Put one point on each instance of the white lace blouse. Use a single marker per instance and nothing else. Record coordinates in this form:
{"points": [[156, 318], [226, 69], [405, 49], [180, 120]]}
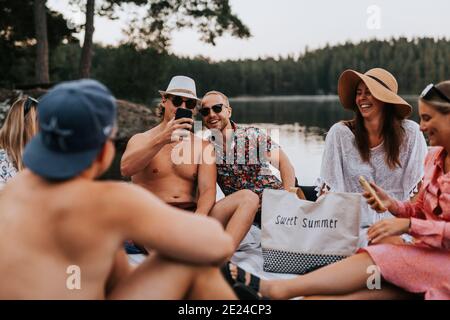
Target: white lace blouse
{"points": [[7, 169], [342, 165]]}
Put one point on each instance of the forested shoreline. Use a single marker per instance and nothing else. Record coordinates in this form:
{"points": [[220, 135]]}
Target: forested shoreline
{"points": [[40, 47], [136, 75]]}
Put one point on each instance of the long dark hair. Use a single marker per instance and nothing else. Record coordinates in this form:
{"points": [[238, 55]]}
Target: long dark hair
{"points": [[393, 135]]}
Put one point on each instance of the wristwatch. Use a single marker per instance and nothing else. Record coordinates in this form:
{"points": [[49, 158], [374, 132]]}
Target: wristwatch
{"points": [[407, 238]]}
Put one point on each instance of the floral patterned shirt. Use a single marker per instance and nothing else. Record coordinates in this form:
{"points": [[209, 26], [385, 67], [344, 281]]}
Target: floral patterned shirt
{"points": [[7, 169], [244, 164]]}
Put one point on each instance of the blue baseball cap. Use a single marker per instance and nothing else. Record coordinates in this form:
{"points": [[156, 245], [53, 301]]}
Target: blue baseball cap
{"points": [[75, 120]]}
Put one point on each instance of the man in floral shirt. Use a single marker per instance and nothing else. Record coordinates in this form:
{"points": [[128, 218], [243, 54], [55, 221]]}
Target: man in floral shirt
{"points": [[243, 155]]}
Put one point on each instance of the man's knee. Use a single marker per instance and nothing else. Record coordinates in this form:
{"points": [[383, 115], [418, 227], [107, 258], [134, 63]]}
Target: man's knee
{"points": [[157, 261], [248, 197], [205, 271]]}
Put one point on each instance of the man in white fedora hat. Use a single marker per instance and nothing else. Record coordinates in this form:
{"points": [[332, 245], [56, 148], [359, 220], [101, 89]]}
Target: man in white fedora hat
{"points": [[181, 86], [179, 167]]}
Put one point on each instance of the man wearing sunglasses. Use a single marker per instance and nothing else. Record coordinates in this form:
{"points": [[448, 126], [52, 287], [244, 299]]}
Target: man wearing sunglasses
{"points": [[151, 159], [243, 144]]}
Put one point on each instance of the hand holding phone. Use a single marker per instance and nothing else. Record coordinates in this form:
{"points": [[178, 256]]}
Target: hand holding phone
{"points": [[183, 113], [177, 128], [372, 192]]}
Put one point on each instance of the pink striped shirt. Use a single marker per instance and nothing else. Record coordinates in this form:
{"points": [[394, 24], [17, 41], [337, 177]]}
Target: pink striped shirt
{"points": [[430, 213]]}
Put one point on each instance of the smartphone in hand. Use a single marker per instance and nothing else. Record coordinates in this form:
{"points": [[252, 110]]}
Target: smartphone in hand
{"points": [[184, 113], [372, 192]]}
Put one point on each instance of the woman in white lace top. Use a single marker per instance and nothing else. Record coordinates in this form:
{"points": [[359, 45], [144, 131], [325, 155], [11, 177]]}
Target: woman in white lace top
{"points": [[379, 143], [19, 127]]}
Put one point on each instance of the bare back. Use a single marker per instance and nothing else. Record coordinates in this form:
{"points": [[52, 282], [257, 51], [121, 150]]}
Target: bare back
{"points": [[172, 173], [47, 227]]}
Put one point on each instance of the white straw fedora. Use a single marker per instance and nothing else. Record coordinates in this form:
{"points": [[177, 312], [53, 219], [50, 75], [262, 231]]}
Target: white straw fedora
{"points": [[382, 85], [181, 86]]}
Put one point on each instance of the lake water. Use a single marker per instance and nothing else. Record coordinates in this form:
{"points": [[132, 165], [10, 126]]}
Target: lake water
{"points": [[302, 122]]}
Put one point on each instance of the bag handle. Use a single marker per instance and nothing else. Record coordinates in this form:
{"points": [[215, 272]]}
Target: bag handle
{"points": [[298, 192]]}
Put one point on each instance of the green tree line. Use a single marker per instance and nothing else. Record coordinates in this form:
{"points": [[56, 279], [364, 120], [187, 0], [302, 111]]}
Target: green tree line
{"points": [[414, 63], [136, 74], [28, 24]]}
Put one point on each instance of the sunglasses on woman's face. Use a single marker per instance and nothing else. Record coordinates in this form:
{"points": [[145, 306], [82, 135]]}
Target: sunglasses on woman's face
{"points": [[216, 108], [177, 101], [430, 89], [29, 103]]}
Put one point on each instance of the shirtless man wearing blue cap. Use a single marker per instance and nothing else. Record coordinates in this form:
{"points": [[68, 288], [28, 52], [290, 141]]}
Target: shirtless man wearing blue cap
{"points": [[68, 229]]}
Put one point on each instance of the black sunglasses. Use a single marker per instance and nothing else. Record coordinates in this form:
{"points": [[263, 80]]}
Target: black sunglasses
{"points": [[432, 88], [177, 101], [29, 103], [216, 108]]}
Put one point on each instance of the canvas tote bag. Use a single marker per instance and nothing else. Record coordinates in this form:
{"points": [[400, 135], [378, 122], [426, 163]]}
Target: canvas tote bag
{"points": [[299, 236]]}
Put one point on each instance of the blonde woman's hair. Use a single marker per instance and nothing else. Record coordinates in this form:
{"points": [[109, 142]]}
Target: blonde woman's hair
{"points": [[17, 130], [436, 102]]}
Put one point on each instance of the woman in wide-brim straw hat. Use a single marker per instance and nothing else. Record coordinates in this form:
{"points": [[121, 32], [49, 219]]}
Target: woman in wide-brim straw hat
{"points": [[380, 83], [378, 143]]}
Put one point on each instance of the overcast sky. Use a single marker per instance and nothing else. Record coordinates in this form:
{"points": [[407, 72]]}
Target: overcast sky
{"points": [[282, 27]]}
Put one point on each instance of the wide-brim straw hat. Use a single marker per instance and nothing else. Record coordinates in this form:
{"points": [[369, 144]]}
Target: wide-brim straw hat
{"points": [[181, 86], [381, 84]]}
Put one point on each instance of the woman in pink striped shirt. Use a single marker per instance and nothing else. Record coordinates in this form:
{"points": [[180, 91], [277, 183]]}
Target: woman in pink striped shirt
{"points": [[419, 263]]}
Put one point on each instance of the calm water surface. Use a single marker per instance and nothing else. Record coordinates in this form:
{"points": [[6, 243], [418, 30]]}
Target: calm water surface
{"points": [[302, 122]]}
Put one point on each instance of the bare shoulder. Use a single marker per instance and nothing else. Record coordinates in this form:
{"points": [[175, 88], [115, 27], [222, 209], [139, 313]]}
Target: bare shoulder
{"points": [[152, 131], [144, 135], [121, 199], [117, 193]]}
